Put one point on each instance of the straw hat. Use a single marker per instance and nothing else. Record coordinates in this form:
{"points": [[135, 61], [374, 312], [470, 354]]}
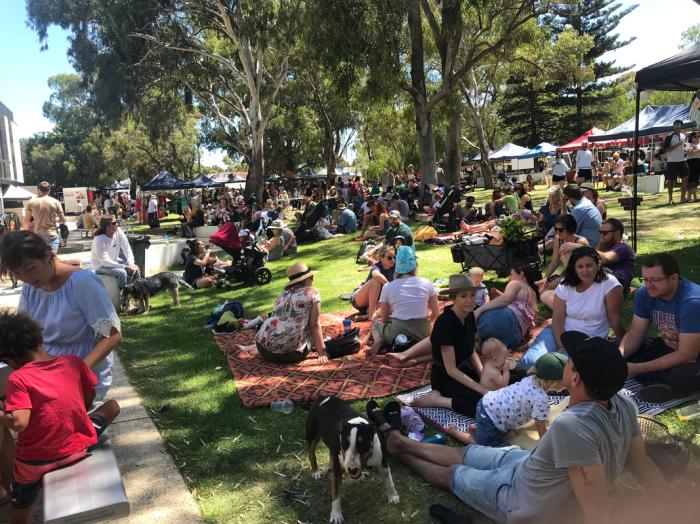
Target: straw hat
{"points": [[457, 284], [298, 272]]}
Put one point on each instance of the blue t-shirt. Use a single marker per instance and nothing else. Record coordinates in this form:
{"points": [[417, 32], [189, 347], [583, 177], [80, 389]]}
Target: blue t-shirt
{"points": [[388, 273], [588, 220], [347, 220], [549, 217], [681, 314]]}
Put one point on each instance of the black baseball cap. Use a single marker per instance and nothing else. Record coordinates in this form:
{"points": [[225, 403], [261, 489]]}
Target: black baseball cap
{"points": [[598, 361]]}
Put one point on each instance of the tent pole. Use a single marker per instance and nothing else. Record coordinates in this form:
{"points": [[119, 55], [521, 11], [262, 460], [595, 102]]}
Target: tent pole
{"points": [[635, 156]]}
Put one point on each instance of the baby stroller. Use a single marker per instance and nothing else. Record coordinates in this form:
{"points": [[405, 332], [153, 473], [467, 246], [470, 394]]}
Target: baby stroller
{"points": [[312, 214], [250, 268], [449, 223]]}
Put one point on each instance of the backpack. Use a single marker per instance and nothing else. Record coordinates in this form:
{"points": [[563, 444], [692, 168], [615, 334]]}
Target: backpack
{"points": [[366, 244], [667, 143], [343, 345]]}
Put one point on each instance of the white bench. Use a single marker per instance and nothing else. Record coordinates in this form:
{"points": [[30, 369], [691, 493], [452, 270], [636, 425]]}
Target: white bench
{"points": [[88, 491]]}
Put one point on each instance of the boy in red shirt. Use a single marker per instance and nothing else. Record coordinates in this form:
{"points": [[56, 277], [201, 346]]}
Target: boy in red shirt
{"points": [[47, 401]]}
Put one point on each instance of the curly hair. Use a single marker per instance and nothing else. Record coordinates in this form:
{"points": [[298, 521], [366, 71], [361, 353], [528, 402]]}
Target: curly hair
{"points": [[17, 247], [19, 335]]}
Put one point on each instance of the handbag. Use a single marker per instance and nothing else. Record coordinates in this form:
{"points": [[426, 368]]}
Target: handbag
{"points": [[343, 345]]}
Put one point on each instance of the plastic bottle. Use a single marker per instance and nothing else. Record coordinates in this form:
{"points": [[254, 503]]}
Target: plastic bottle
{"points": [[400, 339], [347, 326], [690, 412], [166, 238], [438, 438], [282, 406]]}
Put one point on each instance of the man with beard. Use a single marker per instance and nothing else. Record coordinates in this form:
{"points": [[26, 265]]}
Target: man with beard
{"points": [[671, 304], [617, 256]]}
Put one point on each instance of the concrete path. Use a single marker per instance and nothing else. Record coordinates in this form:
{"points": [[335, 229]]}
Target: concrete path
{"points": [[156, 490]]}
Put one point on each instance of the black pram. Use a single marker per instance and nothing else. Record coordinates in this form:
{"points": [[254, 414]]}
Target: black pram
{"points": [[312, 214], [449, 223]]}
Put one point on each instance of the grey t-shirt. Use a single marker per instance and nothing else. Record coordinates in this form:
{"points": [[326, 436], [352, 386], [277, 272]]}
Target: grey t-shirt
{"points": [[584, 435]]}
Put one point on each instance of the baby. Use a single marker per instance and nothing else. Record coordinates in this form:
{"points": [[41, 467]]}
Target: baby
{"points": [[497, 366], [509, 408], [477, 275]]}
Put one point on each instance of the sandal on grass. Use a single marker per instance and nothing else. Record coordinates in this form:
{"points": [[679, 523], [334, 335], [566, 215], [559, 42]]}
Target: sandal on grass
{"points": [[392, 414], [376, 417]]}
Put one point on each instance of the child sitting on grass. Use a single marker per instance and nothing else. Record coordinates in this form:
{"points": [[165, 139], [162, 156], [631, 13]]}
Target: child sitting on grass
{"points": [[482, 294], [497, 365], [508, 408], [47, 399]]}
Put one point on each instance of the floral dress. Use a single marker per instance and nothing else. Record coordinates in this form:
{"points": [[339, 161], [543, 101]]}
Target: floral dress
{"points": [[287, 329]]}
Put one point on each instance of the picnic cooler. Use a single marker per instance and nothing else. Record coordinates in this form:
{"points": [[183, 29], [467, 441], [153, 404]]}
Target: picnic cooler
{"points": [[498, 258]]}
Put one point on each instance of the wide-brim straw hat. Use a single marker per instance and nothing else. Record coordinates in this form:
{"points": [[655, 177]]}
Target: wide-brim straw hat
{"points": [[457, 284], [298, 272]]}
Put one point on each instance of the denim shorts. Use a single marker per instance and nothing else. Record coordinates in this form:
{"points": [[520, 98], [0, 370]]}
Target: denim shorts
{"points": [[487, 434], [484, 472], [502, 324]]}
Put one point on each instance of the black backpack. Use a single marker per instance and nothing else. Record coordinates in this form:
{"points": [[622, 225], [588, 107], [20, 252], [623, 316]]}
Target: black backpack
{"points": [[343, 345]]}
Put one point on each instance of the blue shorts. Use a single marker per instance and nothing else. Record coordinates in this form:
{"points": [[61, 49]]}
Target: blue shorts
{"points": [[487, 434], [484, 478]]}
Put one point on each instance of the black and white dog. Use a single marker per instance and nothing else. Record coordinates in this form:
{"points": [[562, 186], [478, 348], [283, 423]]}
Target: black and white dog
{"points": [[142, 289], [353, 444]]}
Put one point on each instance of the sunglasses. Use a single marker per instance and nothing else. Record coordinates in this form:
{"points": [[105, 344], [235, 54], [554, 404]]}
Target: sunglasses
{"points": [[602, 232], [390, 257], [559, 229], [114, 223]]}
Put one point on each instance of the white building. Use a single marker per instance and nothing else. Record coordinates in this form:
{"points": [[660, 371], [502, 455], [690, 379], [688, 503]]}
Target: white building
{"points": [[10, 154]]}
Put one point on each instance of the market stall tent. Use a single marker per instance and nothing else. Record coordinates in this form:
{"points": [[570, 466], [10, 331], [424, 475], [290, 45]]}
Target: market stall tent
{"points": [[165, 181], [653, 120], [540, 150], [577, 143], [204, 182], [508, 152]]}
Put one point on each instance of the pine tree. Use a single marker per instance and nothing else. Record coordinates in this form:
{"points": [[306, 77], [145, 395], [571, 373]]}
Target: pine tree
{"points": [[526, 112], [583, 106]]}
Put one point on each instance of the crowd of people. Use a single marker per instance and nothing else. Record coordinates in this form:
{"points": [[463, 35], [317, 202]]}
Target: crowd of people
{"points": [[64, 311]]}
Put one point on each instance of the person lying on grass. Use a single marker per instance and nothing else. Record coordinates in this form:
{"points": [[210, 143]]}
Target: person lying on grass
{"points": [[572, 467], [510, 407], [47, 399]]}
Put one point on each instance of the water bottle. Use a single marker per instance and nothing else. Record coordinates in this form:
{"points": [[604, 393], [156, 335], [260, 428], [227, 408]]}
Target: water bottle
{"points": [[438, 438], [282, 406], [400, 339], [166, 238], [347, 326]]}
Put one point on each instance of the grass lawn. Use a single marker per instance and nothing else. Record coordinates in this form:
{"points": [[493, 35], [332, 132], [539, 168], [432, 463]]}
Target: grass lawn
{"points": [[250, 466]]}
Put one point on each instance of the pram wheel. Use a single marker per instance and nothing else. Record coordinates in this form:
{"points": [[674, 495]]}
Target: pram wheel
{"points": [[263, 276]]}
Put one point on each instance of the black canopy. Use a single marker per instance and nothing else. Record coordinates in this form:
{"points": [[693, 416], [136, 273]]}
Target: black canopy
{"points": [[165, 181], [203, 182], [681, 72]]}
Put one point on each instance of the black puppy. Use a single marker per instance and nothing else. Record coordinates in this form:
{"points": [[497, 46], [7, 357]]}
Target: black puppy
{"points": [[143, 288], [353, 445]]}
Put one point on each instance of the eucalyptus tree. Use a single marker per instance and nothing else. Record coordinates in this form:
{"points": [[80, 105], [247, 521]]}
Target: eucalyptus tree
{"points": [[228, 57]]}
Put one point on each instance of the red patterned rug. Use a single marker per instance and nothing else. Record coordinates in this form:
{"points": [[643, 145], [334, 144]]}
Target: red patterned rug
{"points": [[355, 377]]}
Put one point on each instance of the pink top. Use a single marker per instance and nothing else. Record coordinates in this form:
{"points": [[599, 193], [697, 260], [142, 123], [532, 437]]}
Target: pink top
{"points": [[524, 312]]}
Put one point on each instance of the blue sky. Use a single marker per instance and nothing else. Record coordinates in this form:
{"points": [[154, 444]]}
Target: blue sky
{"points": [[657, 24]]}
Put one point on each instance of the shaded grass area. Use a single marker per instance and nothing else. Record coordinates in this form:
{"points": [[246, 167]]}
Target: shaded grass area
{"points": [[250, 465]]}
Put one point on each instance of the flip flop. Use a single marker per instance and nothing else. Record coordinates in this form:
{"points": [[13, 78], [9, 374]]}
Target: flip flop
{"points": [[659, 394], [392, 414], [376, 417], [345, 296]]}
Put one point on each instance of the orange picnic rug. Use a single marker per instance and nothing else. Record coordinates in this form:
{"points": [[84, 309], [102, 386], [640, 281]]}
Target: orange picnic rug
{"points": [[354, 377]]}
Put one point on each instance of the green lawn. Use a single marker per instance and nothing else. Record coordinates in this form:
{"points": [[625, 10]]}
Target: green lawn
{"points": [[250, 466]]}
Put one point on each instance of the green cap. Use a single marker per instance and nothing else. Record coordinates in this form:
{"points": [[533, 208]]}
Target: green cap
{"points": [[550, 366]]}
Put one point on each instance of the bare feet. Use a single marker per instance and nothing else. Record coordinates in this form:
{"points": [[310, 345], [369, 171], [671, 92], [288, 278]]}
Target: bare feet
{"points": [[429, 400], [465, 437], [397, 361]]}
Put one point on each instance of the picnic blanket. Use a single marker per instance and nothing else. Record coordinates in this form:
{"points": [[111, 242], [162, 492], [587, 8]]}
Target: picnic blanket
{"points": [[444, 418], [354, 377]]}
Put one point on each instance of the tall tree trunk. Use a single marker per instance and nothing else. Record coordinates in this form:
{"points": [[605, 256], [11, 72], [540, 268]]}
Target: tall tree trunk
{"points": [[424, 125], [254, 183], [579, 111], [453, 154], [329, 154], [426, 146]]}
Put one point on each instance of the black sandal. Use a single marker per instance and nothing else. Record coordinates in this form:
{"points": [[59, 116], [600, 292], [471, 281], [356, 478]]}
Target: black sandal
{"points": [[376, 417], [392, 414]]}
